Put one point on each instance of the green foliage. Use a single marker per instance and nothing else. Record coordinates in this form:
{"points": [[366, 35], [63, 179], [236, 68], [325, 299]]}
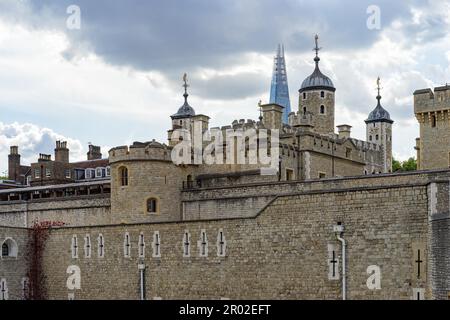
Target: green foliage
{"points": [[3, 178], [408, 165]]}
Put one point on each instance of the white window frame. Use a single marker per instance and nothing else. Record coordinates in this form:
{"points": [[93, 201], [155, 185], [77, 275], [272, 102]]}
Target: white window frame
{"points": [[219, 240], [108, 171], [203, 244], [68, 173], [87, 249], [48, 172], [37, 173], [101, 249], [4, 285], [74, 247], [156, 244], [101, 172], [127, 245], [141, 245], [186, 240]]}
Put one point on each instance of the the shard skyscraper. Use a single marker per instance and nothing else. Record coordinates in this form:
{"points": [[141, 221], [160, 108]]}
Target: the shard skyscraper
{"points": [[279, 90]]}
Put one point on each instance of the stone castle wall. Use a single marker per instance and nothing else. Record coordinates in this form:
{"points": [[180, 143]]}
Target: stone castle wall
{"points": [[89, 210], [15, 269], [281, 252]]}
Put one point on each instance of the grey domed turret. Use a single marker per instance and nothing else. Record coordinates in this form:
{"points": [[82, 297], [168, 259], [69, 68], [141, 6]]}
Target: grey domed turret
{"points": [[185, 111], [379, 114], [317, 80]]}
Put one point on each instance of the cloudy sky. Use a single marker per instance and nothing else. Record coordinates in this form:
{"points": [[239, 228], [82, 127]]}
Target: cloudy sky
{"points": [[117, 79]]}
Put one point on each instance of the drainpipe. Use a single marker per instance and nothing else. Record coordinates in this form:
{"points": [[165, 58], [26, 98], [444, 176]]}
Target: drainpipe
{"points": [[339, 230], [141, 268]]}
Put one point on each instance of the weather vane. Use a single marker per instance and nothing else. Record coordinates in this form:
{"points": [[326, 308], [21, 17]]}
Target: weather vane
{"points": [[260, 110], [379, 85], [185, 85], [317, 49]]}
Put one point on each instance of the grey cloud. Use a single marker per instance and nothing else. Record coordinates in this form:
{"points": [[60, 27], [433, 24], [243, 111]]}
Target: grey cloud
{"points": [[174, 34]]}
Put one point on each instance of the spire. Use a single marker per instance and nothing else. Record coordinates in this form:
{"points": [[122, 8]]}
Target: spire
{"points": [[379, 90], [317, 49], [379, 114], [185, 110], [185, 85], [279, 91], [317, 80]]}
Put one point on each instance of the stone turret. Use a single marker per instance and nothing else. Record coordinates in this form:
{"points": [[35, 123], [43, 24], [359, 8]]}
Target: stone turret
{"points": [[272, 116], [317, 96], [432, 110], [379, 131]]}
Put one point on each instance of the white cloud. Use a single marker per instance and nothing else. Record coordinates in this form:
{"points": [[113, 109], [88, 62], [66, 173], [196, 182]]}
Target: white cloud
{"points": [[33, 140]]}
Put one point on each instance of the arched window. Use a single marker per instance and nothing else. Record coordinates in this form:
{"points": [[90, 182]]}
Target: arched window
{"points": [[123, 176], [322, 109], [304, 95], [322, 94], [9, 248], [304, 109], [152, 205]]}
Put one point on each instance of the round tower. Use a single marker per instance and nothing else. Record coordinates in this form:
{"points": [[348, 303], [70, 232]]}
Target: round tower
{"points": [[317, 96], [145, 183], [379, 131]]}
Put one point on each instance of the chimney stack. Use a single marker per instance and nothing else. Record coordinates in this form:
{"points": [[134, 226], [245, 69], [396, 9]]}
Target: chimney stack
{"points": [[44, 157], [14, 164], [344, 131], [272, 116], [61, 152], [94, 153]]}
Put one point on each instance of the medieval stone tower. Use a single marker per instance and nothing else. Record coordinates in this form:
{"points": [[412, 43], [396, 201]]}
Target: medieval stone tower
{"points": [[379, 131], [317, 96], [432, 110]]}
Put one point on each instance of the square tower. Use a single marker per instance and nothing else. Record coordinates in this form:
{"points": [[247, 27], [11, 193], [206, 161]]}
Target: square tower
{"points": [[432, 110]]}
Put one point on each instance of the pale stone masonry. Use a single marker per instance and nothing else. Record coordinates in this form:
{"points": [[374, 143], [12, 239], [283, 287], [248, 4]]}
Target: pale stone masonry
{"points": [[432, 110], [139, 224]]}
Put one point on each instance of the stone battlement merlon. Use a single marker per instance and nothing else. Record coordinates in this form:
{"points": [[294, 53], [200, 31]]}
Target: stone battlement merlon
{"points": [[427, 100], [141, 151]]}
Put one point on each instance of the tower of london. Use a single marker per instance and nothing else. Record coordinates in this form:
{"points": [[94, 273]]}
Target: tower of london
{"points": [[332, 215]]}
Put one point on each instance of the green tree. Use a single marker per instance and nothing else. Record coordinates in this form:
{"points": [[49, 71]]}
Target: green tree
{"points": [[396, 165], [408, 165]]}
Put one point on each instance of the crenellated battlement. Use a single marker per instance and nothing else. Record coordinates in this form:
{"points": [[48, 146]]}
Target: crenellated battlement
{"points": [[298, 119], [427, 100], [141, 151]]}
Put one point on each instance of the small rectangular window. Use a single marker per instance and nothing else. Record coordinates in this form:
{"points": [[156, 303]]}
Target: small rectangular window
{"points": [[108, 171], [48, 173], [348, 152], [289, 174], [67, 173], [37, 173], [99, 173], [433, 121], [322, 175]]}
